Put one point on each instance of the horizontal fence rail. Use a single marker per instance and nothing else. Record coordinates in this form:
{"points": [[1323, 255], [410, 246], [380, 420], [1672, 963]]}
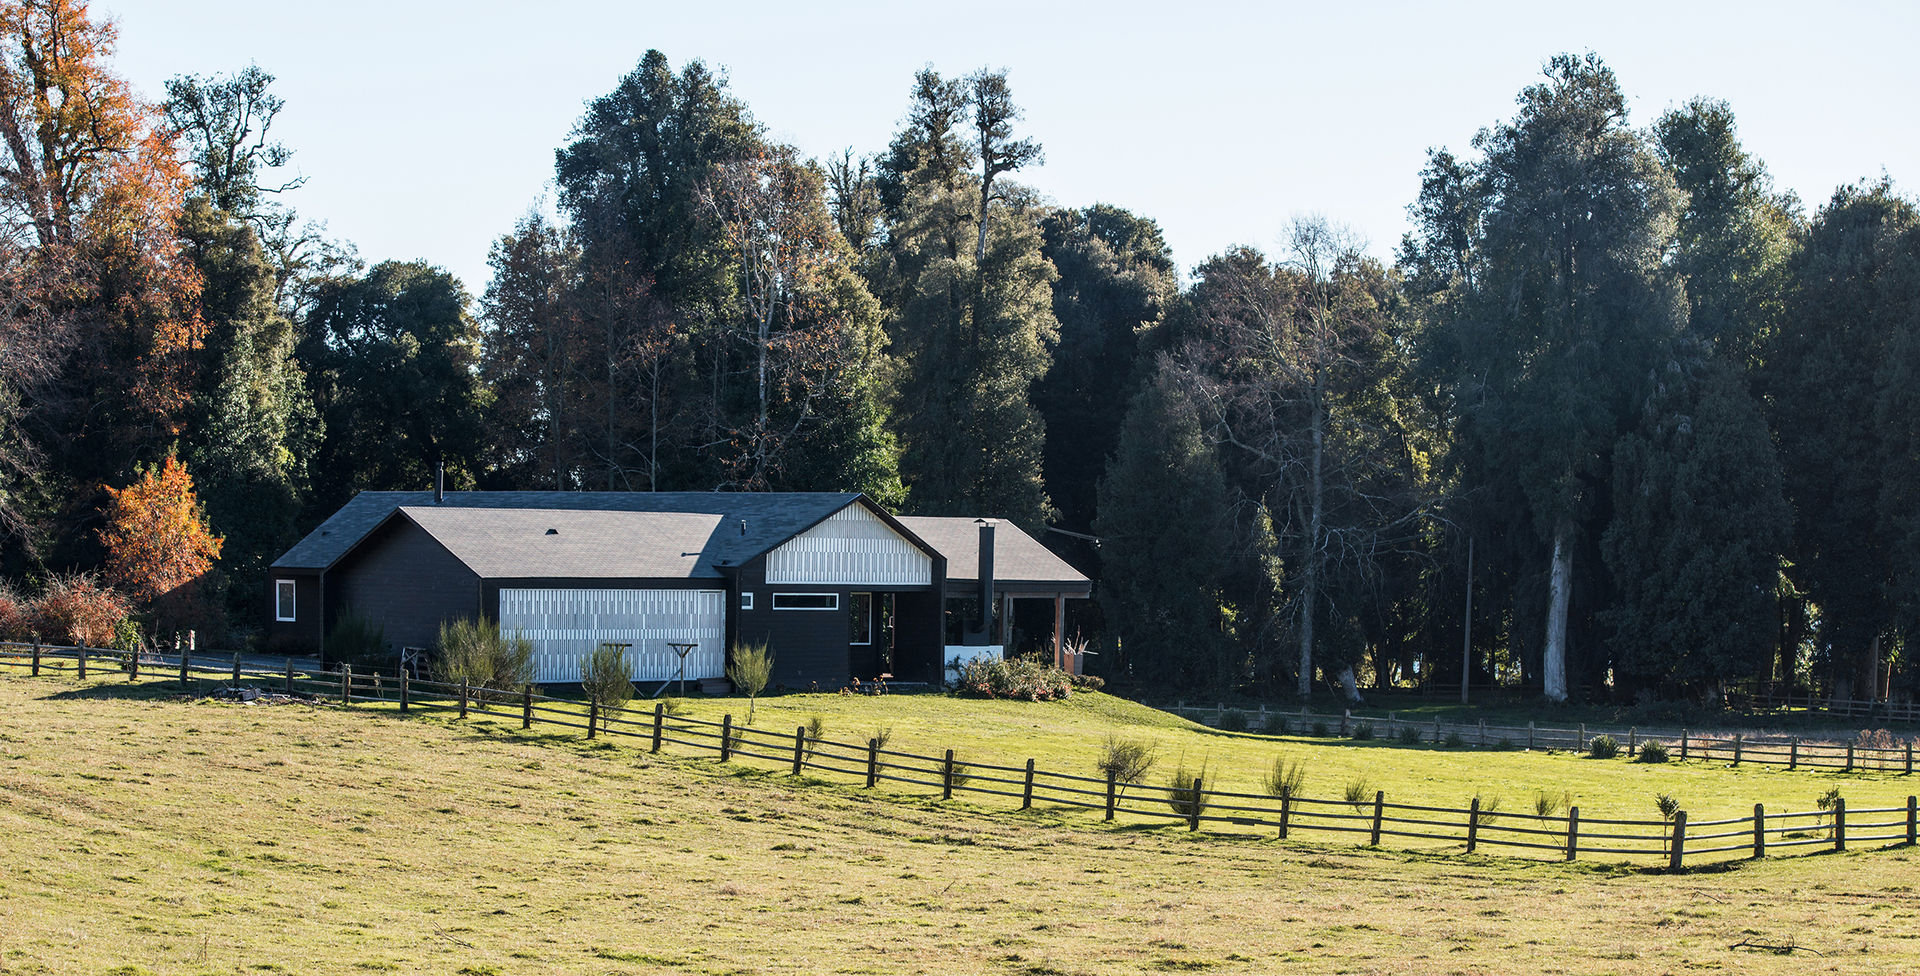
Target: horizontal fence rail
{"points": [[1562, 834]]}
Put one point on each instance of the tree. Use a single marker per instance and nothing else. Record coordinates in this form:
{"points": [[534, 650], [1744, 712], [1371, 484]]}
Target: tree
{"points": [[159, 548], [1562, 310], [531, 356], [223, 123]]}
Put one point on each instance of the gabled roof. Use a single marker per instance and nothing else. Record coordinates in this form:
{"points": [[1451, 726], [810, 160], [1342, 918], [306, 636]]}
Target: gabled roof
{"points": [[770, 517], [538, 542], [1017, 557]]}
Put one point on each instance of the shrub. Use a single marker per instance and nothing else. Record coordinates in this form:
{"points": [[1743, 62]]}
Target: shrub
{"points": [[1285, 778], [751, 667], [1318, 730], [76, 609], [1022, 678], [1363, 731], [1504, 745], [1182, 798], [816, 731], [1276, 725], [1827, 802], [1126, 760], [1454, 741], [1088, 682], [355, 640], [1409, 735], [1233, 720], [1550, 804], [476, 652], [955, 772], [604, 677], [1603, 747], [1489, 808], [1667, 805], [882, 735], [1652, 752], [1359, 792], [16, 616]]}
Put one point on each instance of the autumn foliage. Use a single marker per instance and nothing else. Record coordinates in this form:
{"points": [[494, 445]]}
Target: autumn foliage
{"points": [[76, 609], [156, 537]]}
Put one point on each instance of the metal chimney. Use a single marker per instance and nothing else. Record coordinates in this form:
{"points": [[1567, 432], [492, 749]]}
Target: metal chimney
{"points": [[986, 576], [439, 482]]}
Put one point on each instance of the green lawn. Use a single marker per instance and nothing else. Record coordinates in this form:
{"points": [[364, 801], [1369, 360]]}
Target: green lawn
{"points": [[146, 834]]}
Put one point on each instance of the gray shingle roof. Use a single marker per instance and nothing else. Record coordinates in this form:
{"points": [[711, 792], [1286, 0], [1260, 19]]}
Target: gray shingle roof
{"points": [[771, 517], [526, 542], [1017, 556]]}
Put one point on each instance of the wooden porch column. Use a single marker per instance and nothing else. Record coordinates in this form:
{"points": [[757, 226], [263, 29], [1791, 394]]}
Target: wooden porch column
{"points": [[1060, 631]]}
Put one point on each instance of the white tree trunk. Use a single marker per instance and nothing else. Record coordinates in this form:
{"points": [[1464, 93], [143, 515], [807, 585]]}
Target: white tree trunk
{"points": [[1559, 595], [1349, 684]]}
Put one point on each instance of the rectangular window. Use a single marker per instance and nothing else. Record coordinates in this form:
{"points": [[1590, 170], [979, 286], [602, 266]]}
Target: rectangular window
{"points": [[860, 618], [283, 600], [746, 600], [806, 601]]}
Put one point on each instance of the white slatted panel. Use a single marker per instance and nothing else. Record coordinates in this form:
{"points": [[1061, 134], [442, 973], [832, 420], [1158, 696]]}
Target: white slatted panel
{"points": [[851, 548], [566, 625]]}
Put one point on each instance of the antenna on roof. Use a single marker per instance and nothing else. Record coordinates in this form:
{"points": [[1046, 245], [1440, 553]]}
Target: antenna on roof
{"points": [[439, 481]]}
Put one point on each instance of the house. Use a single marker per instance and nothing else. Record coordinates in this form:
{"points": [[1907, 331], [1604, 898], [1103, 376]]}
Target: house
{"points": [[837, 587]]}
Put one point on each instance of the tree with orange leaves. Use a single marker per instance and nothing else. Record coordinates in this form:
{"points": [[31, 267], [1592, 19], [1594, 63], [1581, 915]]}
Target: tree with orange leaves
{"points": [[156, 535]]}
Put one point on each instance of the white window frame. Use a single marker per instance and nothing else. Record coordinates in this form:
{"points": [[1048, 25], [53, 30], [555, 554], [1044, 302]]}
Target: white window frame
{"points": [[746, 599], [832, 598], [852, 602], [293, 598]]}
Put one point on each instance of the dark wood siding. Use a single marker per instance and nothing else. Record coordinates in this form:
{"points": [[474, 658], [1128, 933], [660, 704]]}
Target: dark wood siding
{"points": [[406, 582], [301, 635]]}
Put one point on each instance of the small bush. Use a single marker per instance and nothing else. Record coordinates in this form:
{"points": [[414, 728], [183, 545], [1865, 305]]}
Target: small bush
{"points": [[1454, 741], [1603, 747], [1088, 682], [1363, 731], [1652, 752], [1551, 804], [76, 609], [1021, 679], [1126, 760], [604, 677], [1285, 779], [1827, 802], [882, 735], [1409, 735], [1504, 745], [1276, 725], [1233, 720], [1318, 730], [497, 664], [816, 731], [1667, 805], [956, 773], [1359, 792], [1181, 796], [1489, 808], [16, 616], [355, 640], [750, 669]]}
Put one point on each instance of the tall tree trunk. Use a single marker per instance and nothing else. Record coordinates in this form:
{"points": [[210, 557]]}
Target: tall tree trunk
{"points": [[1559, 596], [1310, 584]]}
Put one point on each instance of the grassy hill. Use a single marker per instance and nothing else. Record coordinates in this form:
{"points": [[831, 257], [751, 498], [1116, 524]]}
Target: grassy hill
{"points": [[145, 834]]}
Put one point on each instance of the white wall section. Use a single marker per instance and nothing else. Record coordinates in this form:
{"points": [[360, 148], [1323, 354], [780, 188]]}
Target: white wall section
{"points": [[853, 547], [565, 625]]}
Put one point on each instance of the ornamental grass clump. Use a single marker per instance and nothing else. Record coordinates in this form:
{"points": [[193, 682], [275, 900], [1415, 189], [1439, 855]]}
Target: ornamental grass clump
{"points": [[1021, 679], [1603, 747], [1652, 752], [1285, 779], [1186, 788]]}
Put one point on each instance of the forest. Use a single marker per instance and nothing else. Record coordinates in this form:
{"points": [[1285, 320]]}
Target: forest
{"points": [[1618, 419]]}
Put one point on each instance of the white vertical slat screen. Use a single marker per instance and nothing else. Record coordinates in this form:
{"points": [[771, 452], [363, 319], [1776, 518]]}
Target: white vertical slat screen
{"points": [[851, 548], [565, 625]]}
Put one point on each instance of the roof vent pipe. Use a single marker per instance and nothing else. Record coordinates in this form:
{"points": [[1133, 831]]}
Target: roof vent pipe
{"points": [[743, 527], [986, 576], [439, 482]]}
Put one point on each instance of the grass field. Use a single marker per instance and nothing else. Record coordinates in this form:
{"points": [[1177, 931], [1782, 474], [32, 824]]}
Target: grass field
{"points": [[146, 834]]}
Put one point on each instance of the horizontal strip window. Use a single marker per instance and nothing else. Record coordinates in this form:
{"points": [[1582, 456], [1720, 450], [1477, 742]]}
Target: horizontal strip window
{"points": [[806, 601]]}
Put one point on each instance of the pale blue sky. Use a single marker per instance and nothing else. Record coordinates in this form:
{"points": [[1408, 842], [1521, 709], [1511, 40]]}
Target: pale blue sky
{"points": [[426, 129]]}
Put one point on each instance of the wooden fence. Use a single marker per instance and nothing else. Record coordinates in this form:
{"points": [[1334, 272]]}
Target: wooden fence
{"points": [[1791, 752], [1560, 835]]}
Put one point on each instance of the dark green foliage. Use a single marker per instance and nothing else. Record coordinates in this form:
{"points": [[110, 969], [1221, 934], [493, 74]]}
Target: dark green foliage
{"points": [[354, 639], [1161, 592], [1181, 796], [750, 667], [1409, 735], [1022, 679], [1651, 752], [605, 677], [1127, 761], [476, 652], [1233, 720], [1603, 747], [1363, 731]]}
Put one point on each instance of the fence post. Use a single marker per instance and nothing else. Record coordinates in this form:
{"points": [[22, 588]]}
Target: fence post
{"points": [[1849, 757], [1379, 806], [36, 659], [593, 721], [1683, 744], [873, 762], [799, 747], [346, 688], [1759, 831], [659, 717], [1026, 792], [1473, 825], [133, 663], [403, 691], [1913, 822], [946, 777], [1193, 808], [186, 662], [1840, 823], [1286, 814], [466, 692], [1346, 719], [1110, 795], [1909, 757], [1483, 732], [1573, 832], [1581, 746], [526, 706], [1437, 737], [1529, 735], [289, 674], [1676, 850], [1633, 741], [726, 737], [236, 669], [83, 660], [1793, 754]]}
